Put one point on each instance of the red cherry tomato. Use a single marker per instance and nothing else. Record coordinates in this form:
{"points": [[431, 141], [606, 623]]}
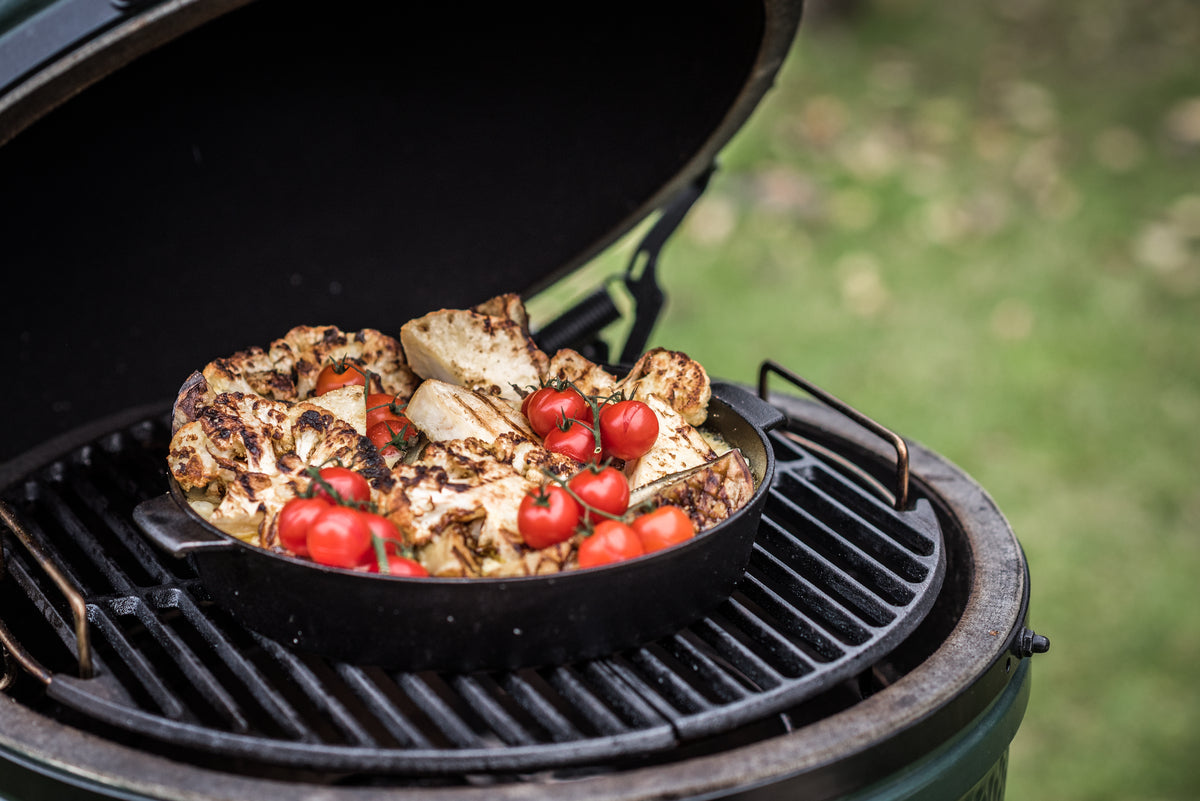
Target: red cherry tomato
{"points": [[339, 537], [383, 529], [577, 441], [606, 490], [628, 429], [611, 541], [398, 566], [547, 518], [382, 406], [350, 487], [548, 407], [336, 375], [295, 518], [391, 435], [664, 527]]}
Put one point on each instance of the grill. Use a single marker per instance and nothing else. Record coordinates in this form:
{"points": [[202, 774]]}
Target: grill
{"points": [[838, 578], [877, 645]]}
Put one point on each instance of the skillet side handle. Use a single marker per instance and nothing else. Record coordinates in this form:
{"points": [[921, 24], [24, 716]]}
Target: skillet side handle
{"points": [[757, 411], [171, 529]]}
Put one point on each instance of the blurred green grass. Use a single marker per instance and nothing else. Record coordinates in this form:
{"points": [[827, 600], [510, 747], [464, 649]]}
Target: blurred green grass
{"points": [[980, 223]]}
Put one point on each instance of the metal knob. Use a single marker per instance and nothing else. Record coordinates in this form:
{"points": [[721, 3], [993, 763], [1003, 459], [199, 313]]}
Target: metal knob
{"points": [[1029, 643]]}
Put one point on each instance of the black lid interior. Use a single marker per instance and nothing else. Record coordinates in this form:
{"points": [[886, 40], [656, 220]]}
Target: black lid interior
{"points": [[354, 163]]}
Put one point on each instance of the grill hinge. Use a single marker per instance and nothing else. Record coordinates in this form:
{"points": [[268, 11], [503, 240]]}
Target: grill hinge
{"points": [[579, 327]]}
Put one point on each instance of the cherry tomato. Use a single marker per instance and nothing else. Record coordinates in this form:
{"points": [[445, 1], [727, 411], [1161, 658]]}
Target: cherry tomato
{"points": [[382, 406], [338, 374], [628, 429], [384, 529], [339, 537], [664, 527], [391, 435], [606, 490], [577, 441], [398, 566], [548, 517], [548, 407], [350, 487], [294, 520], [611, 541]]}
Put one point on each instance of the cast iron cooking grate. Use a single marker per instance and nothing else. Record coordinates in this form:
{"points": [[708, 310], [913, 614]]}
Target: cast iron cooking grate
{"points": [[836, 580]]}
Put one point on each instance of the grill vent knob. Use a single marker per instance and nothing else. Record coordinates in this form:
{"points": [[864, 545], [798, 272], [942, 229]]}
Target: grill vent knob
{"points": [[1029, 643]]}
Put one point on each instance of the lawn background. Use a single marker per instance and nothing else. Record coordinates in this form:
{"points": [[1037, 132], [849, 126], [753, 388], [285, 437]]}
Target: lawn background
{"points": [[980, 223]]}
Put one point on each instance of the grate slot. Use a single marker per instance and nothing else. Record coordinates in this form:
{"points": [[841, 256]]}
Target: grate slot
{"points": [[51, 606], [43, 522], [867, 507], [320, 694], [570, 686], [655, 674], [431, 696], [786, 660], [838, 551], [90, 530], [855, 529], [621, 694], [130, 664], [279, 717], [735, 654], [692, 652], [383, 699], [141, 563], [789, 620], [530, 690], [819, 590], [489, 703]]}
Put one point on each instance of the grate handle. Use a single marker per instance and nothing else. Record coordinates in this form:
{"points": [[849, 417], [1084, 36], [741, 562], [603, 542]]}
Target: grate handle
{"points": [[13, 650], [896, 441]]}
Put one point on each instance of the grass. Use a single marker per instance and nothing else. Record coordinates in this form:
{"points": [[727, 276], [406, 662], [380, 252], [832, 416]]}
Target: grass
{"points": [[980, 223]]}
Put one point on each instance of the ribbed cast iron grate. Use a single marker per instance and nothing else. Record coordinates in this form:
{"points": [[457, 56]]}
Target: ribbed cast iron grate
{"points": [[836, 580]]}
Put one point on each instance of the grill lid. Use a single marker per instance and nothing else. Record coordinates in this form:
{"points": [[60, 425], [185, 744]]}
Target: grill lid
{"points": [[365, 163]]}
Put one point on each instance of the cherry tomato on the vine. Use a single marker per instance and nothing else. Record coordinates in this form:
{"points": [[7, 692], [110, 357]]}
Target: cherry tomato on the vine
{"points": [[399, 566], [664, 527], [391, 435], [548, 407], [295, 518], [628, 429], [604, 489], [547, 517], [610, 541], [577, 441], [383, 529], [339, 537], [349, 487], [382, 406], [336, 375]]}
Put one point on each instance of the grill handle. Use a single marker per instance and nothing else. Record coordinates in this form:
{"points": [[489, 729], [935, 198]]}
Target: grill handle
{"points": [[165, 522], [896, 441], [12, 650]]}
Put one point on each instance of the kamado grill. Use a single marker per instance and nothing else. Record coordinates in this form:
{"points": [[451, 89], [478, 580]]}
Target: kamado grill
{"points": [[181, 179]]}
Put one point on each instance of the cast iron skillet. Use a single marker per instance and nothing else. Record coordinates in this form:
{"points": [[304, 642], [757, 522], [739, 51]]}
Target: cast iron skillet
{"points": [[462, 624]]}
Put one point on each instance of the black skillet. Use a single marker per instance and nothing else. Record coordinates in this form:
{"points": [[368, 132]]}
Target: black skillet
{"points": [[462, 624]]}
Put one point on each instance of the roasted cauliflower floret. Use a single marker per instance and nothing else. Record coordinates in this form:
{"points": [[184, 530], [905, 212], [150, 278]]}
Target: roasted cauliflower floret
{"points": [[288, 369], [478, 351]]}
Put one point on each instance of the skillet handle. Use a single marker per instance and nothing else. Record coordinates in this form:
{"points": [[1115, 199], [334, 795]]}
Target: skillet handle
{"points": [[172, 529], [757, 411]]}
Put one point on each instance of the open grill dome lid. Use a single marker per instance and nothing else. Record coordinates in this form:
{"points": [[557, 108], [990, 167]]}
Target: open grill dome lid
{"points": [[184, 179]]}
